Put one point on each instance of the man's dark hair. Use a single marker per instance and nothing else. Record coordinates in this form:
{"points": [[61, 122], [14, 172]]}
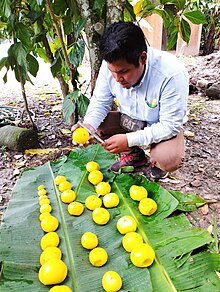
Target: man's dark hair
{"points": [[123, 40]]}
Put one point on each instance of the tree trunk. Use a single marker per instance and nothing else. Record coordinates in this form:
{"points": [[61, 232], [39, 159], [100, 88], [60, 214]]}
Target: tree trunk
{"points": [[209, 42], [18, 139], [94, 29], [93, 38], [63, 85], [115, 9]]}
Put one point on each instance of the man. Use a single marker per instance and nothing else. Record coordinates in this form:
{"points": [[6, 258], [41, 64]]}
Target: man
{"points": [[150, 88]]}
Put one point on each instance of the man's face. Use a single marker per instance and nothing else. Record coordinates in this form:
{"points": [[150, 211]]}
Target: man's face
{"points": [[127, 74]]}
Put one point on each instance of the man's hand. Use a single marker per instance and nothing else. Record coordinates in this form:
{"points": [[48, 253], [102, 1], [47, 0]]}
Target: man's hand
{"points": [[116, 144], [76, 126]]}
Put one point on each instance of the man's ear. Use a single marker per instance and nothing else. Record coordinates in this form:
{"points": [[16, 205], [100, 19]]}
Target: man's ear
{"points": [[143, 58]]}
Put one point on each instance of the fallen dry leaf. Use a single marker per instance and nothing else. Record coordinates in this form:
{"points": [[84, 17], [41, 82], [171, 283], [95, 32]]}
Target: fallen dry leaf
{"points": [[40, 151]]}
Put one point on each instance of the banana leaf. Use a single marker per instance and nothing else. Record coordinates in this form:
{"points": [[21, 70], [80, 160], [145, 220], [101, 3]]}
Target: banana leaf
{"points": [[183, 261]]}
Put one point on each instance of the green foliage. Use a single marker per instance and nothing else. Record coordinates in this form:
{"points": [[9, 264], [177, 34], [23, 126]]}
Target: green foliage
{"points": [[211, 11], [175, 15], [182, 262], [70, 102]]}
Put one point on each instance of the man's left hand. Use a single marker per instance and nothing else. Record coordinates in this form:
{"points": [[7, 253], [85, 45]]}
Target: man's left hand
{"points": [[116, 144]]}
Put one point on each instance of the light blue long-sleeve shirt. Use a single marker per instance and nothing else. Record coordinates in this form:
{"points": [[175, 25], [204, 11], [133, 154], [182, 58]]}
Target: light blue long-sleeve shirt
{"points": [[160, 98]]}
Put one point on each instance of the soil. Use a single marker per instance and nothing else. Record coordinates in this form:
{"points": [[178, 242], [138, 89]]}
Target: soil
{"points": [[200, 173]]}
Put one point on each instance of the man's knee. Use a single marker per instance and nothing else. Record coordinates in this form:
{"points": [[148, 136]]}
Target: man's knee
{"points": [[170, 164]]}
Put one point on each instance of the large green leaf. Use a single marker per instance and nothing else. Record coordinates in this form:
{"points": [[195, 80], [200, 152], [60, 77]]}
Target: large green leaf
{"points": [[179, 265], [196, 17]]}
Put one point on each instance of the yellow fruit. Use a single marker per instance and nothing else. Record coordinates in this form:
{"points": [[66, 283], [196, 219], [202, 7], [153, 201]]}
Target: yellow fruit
{"points": [[44, 201], [42, 197], [80, 136], [130, 240], [53, 272], [93, 202], [68, 196], [60, 288], [98, 256], [147, 206], [58, 179], [65, 185], [45, 208], [43, 215], [111, 281], [89, 240], [51, 252], [138, 193], [92, 165], [49, 224], [41, 187], [126, 224], [42, 192], [142, 255], [49, 239], [111, 200], [100, 216], [75, 208], [103, 188], [95, 177]]}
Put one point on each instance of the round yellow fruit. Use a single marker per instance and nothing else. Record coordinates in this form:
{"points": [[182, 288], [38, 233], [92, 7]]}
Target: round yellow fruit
{"points": [[95, 177], [92, 202], [65, 185], [126, 224], [89, 240], [75, 208], [130, 240], [111, 200], [42, 192], [44, 201], [147, 206], [42, 197], [138, 193], [60, 288], [68, 196], [80, 136], [103, 188], [45, 208], [49, 224], [43, 215], [51, 252], [53, 272], [98, 257], [41, 187], [49, 239], [142, 255], [100, 216], [111, 281], [59, 179], [92, 165]]}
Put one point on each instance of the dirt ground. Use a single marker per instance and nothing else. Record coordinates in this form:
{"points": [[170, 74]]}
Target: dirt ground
{"points": [[200, 173]]}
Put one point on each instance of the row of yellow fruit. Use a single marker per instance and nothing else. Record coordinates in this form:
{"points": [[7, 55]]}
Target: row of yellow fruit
{"points": [[111, 280], [53, 270]]}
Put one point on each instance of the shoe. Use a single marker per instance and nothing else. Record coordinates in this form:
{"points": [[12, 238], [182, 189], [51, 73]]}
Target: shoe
{"points": [[158, 173], [136, 158]]}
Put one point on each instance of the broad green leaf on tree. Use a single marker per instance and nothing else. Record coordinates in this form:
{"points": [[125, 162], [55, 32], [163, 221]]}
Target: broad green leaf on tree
{"points": [[183, 261]]}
